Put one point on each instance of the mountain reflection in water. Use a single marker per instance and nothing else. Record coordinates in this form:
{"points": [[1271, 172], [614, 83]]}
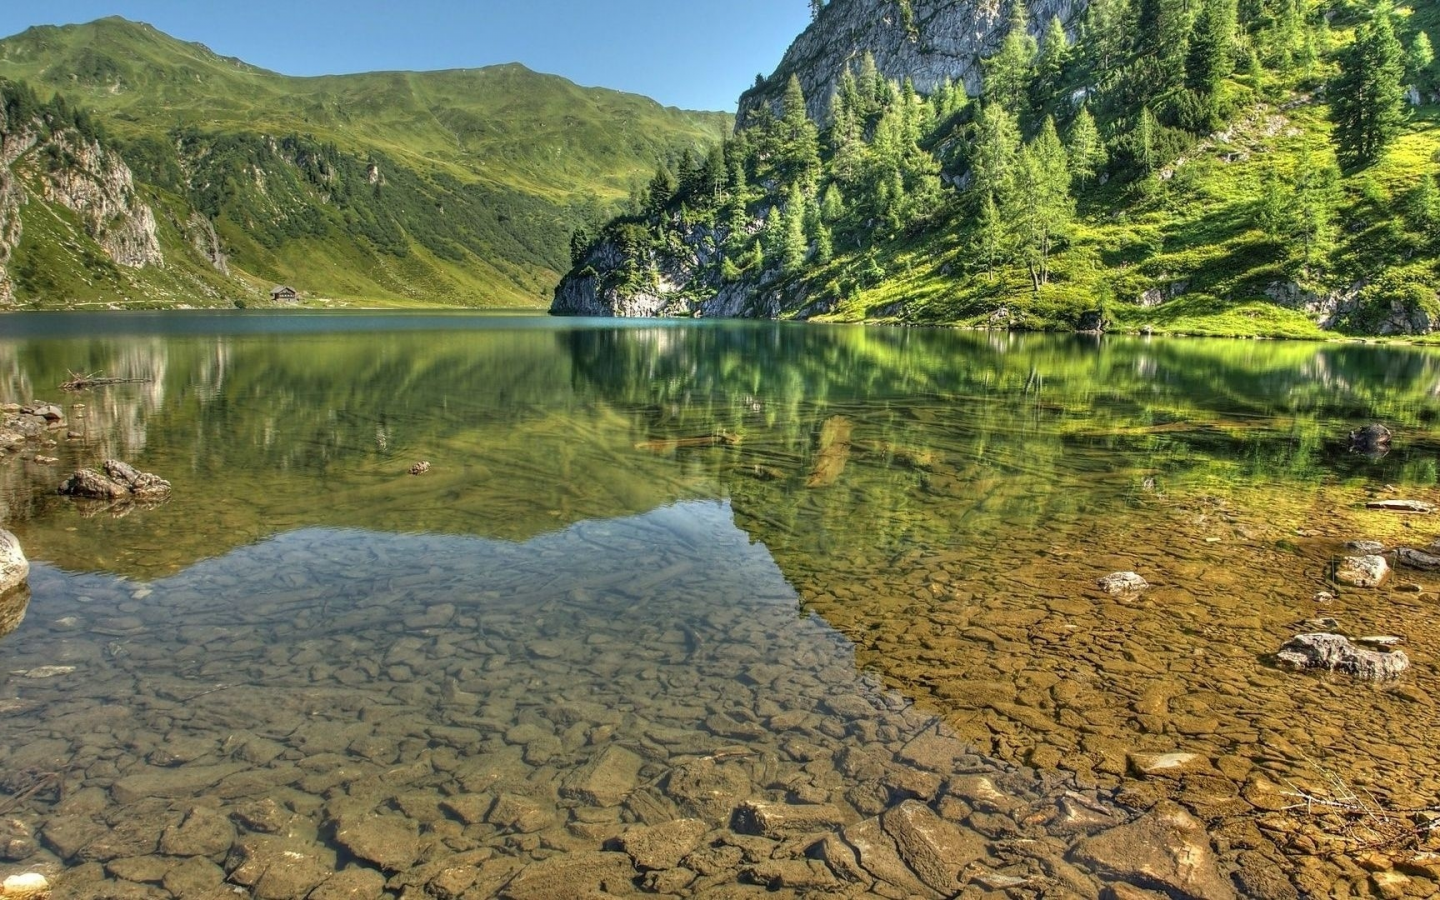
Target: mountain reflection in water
{"points": [[945, 501]]}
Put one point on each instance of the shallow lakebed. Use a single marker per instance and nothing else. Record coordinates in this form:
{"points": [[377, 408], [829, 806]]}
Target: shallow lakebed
{"points": [[707, 609]]}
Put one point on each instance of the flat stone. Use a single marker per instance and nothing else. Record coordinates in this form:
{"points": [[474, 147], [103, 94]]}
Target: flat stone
{"points": [[471, 809], [140, 869], [390, 842], [878, 856], [778, 821], [1407, 506], [1362, 571], [934, 849], [573, 875], [513, 812], [1365, 548], [1418, 559], [1123, 583], [279, 868], [1166, 849], [171, 784], [203, 832], [662, 846], [351, 884], [791, 874], [195, 877], [1168, 764], [605, 780]]}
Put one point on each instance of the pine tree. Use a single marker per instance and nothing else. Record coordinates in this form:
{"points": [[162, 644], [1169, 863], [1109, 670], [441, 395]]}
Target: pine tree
{"points": [[1418, 59], [832, 205], [1087, 150], [1369, 95], [1008, 72], [996, 149], [799, 140], [1104, 37], [1041, 205], [1054, 57], [794, 246], [1211, 57]]}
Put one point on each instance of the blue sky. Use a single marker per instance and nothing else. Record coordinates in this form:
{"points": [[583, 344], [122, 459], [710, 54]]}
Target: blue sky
{"points": [[698, 54]]}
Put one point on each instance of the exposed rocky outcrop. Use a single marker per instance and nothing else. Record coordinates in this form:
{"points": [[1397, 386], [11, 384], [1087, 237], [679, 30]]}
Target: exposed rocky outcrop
{"points": [[682, 280], [68, 169], [943, 40], [1396, 315]]}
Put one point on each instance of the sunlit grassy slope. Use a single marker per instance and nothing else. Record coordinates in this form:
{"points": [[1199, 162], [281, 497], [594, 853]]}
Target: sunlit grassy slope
{"points": [[482, 173], [1192, 232]]}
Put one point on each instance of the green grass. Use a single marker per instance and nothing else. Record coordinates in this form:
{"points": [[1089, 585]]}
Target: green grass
{"points": [[525, 157]]}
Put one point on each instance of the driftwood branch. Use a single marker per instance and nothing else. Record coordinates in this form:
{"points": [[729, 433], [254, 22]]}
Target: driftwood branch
{"points": [[79, 381], [1364, 821]]}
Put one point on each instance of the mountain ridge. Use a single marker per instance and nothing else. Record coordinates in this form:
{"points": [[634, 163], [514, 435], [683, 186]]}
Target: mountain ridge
{"points": [[522, 156]]}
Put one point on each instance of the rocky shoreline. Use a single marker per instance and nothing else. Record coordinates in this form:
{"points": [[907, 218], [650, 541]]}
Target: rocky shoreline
{"points": [[534, 739]]}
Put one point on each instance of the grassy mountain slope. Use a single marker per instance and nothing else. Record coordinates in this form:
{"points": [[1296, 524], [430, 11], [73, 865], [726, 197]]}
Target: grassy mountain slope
{"points": [[451, 187], [1230, 215]]}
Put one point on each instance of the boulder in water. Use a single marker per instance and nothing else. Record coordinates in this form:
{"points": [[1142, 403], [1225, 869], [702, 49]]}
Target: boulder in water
{"points": [[119, 481], [14, 567], [1370, 439], [1337, 654]]}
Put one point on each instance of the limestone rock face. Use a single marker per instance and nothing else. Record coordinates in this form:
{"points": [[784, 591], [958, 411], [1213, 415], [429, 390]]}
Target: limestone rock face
{"points": [[95, 184], [673, 283], [945, 39]]}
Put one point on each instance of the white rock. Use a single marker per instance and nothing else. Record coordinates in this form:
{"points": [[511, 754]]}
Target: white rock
{"points": [[30, 886], [14, 567], [1123, 583]]}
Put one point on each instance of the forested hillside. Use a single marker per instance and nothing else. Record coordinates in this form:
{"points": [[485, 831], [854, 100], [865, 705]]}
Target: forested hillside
{"points": [[1217, 166], [458, 187]]}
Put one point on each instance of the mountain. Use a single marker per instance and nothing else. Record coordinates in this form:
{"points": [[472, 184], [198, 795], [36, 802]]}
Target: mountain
{"points": [[456, 187], [1188, 166]]}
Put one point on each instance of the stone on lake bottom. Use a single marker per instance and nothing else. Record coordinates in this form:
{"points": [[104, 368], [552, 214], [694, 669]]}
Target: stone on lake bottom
{"points": [[1167, 849], [778, 821], [606, 780], [1362, 571], [662, 846], [1123, 583], [29, 886], [1418, 559], [1337, 654], [1410, 506], [1168, 764]]}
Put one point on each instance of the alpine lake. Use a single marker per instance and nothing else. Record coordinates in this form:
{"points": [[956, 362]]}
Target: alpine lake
{"points": [[713, 610]]}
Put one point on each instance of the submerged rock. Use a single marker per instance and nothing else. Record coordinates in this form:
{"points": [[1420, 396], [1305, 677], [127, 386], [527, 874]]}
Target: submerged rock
{"points": [[30, 886], [1410, 506], [1123, 583], [1337, 654], [1167, 849], [14, 567], [1362, 571], [1418, 559]]}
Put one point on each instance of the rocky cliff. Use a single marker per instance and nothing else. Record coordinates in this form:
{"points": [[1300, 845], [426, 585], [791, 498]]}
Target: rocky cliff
{"points": [[45, 158], [938, 40], [680, 280]]}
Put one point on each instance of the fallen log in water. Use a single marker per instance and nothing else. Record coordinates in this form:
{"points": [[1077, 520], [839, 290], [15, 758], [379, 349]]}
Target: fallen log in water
{"points": [[81, 382]]}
